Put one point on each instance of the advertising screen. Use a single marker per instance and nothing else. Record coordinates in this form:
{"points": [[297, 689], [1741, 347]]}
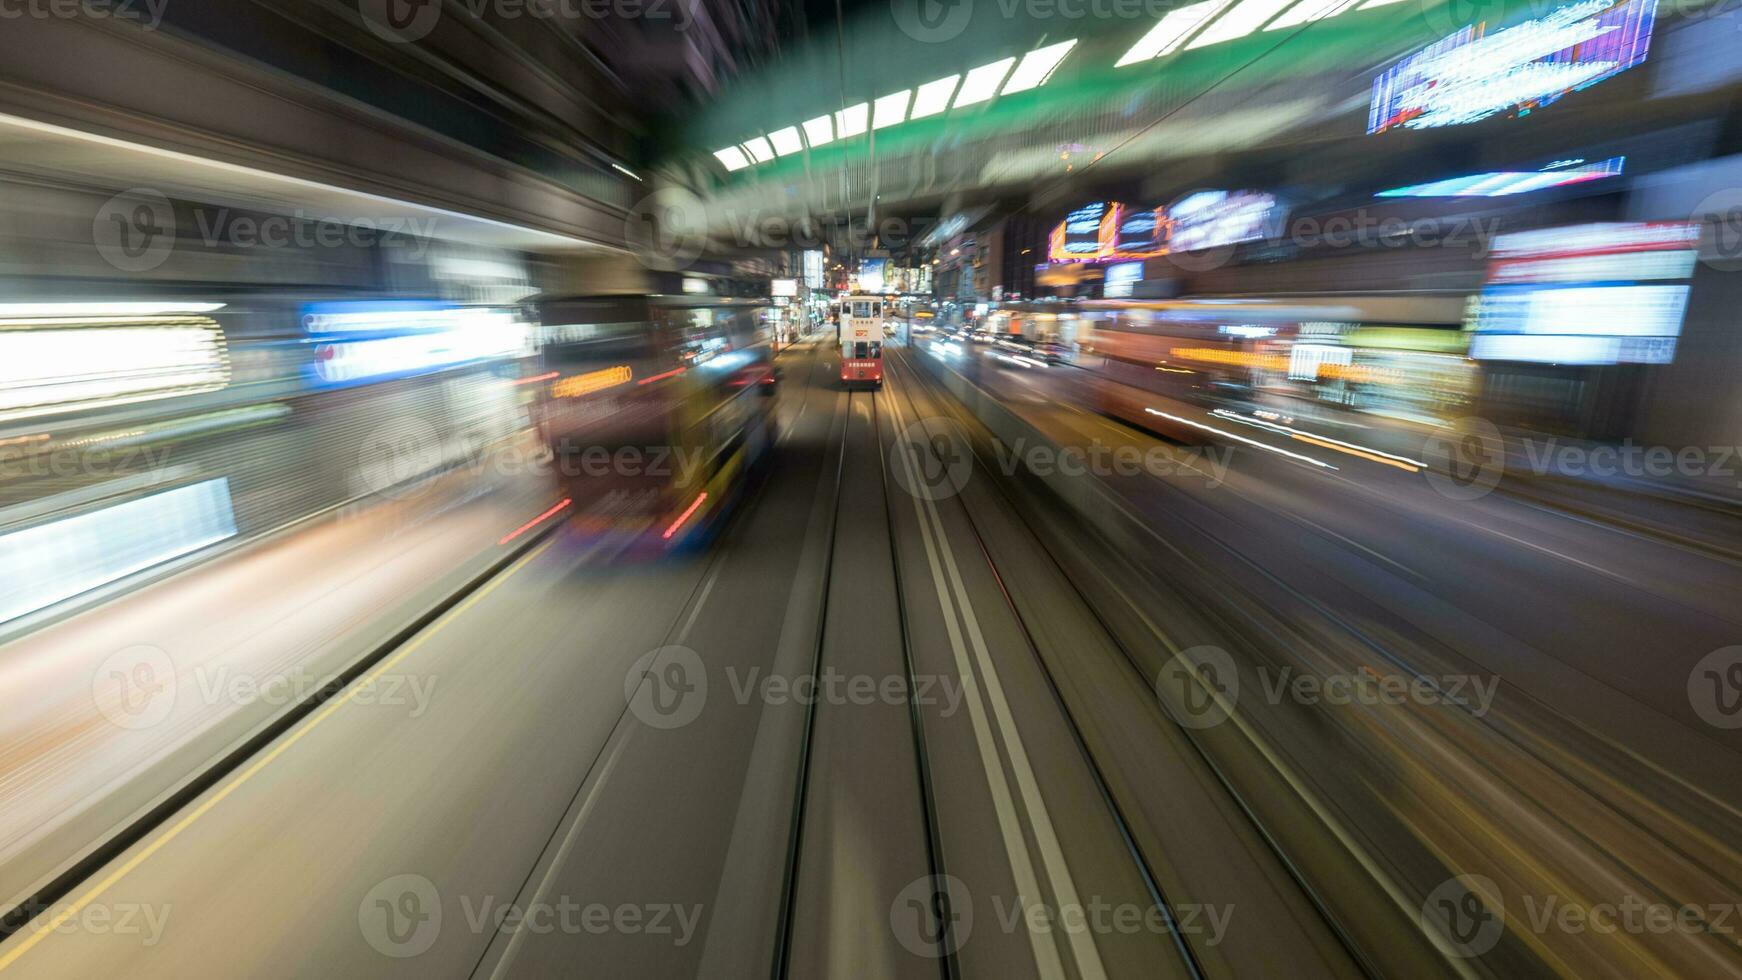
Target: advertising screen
{"points": [[1591, 294], [1474, 74]]}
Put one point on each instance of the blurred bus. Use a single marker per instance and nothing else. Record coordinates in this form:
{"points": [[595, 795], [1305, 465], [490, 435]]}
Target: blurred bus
{"points": [[1397, 356], [653, 408]]}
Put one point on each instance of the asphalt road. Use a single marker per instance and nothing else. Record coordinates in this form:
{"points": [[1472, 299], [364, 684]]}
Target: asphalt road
{"points": [[1557, 741], [914, 715], [835, 744]]}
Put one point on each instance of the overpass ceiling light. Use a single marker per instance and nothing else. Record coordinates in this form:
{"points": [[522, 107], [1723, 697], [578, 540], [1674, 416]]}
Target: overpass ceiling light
{"points": [[786, 141], [1245, 17], [933, 97], [819, 131], [733, 158], [1037, 66], [759, 149], [1310, 11], [890, 109], [982, 83], [1370, 4], [852, 121], [1167, 36]]}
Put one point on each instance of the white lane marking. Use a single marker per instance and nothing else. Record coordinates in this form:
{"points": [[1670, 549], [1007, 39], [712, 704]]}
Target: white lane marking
{"points": [[683, 635], [1045, 946], [1351, 542], [540, 896], [1600, 570], [1052, 855]]}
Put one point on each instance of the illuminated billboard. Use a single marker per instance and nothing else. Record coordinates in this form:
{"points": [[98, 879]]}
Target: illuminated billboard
{"points": [[1113, 232], [1141, 233], [1472, 74], [362, 341], [871, 277], [1503, 183], [1085, 235], [1592, 294], [1212, 219], [1121, 278]]}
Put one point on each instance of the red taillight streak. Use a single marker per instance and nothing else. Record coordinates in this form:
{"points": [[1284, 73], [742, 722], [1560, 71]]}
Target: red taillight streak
{"points": [[537, 378], [529, 525], [685, 515], [659, 377]]}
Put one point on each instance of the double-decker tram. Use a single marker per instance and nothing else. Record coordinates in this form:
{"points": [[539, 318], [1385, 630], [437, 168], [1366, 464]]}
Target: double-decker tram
{"points": [[862, 341], [654, 406]]}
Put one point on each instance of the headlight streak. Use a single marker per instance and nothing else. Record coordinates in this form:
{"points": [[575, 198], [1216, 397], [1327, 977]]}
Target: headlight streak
{"points": [[1240, 438], [1366, 452]]}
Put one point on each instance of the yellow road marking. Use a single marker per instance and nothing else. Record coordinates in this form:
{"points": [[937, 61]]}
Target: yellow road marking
{"points": [[40, 931]]}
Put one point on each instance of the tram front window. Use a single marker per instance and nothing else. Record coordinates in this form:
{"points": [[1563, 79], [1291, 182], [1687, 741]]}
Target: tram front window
{"points": [[862, 350]]}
